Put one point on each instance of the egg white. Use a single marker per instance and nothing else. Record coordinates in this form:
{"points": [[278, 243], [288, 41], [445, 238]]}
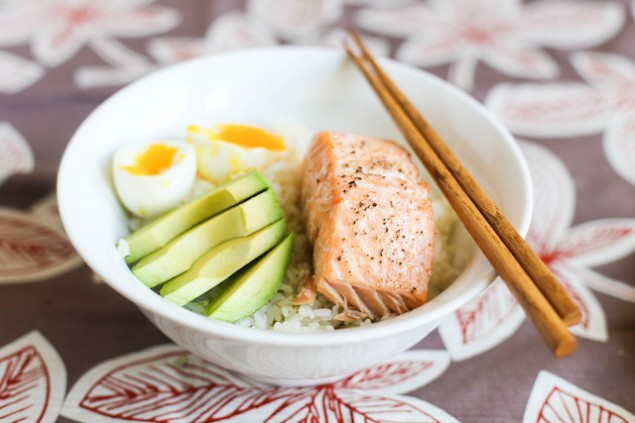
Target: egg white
{"points": [[219, 161], [148, 196]]}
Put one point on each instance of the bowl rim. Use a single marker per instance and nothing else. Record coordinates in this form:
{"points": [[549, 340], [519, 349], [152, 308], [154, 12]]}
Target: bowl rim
{"points": [[420, 317]]}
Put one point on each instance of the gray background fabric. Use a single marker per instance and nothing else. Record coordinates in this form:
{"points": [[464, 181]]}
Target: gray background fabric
{"points": [[88, 322]]}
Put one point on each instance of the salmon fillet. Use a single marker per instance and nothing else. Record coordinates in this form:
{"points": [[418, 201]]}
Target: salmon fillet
{"points": [[370, 222]]}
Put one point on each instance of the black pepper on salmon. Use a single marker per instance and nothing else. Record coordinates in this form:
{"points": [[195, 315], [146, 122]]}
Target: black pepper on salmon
{"points": [[369, 219]]}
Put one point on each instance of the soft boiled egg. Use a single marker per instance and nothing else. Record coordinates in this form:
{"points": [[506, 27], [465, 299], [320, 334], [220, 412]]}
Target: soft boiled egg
{"points": [[227, 150], [152, 178]]}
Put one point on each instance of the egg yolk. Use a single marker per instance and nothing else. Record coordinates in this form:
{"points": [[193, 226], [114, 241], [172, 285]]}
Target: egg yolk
{"points": [[242, 135], [155, 159]]}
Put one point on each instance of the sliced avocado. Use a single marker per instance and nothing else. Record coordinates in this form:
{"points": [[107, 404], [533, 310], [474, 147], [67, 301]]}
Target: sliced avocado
{"points": [[159, 232], [253, 286], [179, 254], [221, 262]]}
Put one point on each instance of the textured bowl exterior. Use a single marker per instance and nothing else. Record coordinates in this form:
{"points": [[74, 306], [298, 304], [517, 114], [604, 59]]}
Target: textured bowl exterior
{"points": [[322, 90], [289, 365]]}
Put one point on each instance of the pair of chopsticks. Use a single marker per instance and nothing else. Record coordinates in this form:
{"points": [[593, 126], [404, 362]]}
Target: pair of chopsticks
{"points": [[543, 298]]}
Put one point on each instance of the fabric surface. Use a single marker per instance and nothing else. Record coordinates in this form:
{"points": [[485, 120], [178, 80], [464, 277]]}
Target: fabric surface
{"points": [[559, 74]]}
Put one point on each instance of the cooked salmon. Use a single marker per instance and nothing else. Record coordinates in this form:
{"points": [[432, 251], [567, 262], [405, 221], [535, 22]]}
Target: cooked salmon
{"points": [[369, 219]]}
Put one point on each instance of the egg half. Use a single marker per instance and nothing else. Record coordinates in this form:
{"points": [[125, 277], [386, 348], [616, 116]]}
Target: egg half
{"points": [[152, 178], [227, 150]]}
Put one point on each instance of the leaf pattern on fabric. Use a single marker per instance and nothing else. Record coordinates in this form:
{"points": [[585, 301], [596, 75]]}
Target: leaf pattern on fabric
{"points": [[47, 208], [551, 23], [32, 381], [599, 242], [483, 323], [370, 2], [235, 30], [17, 73], [102, 76], [168, 384], [565, 109], [619, 145], [57, 29], [569, 252], [32, 249], [404, 373], [230, 31], [335, 39], [295, 18], [554, 399], [506, 35], [16, 155], [593, 322], [556, 110]]}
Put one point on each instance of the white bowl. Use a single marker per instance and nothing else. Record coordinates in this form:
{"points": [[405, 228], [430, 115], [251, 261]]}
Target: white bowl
{"points": [[322, 90]]}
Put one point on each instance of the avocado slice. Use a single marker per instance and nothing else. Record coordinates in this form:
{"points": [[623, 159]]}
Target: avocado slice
{"points": [[179, 254], [253, 286], [221, 262], [164, 229]]}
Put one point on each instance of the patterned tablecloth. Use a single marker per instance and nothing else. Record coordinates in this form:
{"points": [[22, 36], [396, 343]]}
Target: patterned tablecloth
{"points": [[559, 73]]}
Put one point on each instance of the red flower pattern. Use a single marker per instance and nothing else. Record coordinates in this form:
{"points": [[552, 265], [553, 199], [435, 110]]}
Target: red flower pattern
{"points": [[32, 248], [167, 384], [57, 29], [262, 25], [566, 109], [30, 369], [503, 33], [17, 73], [15, 153], [553, 399], [32, 381], [568, 252]]}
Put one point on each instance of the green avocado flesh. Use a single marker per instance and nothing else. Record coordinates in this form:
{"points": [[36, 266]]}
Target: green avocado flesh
{"points": [[159, 232], [180, 254], [253, 286], [221, 262]]}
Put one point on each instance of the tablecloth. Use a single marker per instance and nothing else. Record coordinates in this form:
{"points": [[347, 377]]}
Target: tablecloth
{"points": [[560, 74]]}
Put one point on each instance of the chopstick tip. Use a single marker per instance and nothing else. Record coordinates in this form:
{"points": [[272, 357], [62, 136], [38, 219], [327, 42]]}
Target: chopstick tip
{"points": [[573, 317], [565, 347]]}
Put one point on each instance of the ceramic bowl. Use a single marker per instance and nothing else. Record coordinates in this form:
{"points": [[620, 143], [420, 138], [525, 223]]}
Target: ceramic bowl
{"points": [[321, 90]]}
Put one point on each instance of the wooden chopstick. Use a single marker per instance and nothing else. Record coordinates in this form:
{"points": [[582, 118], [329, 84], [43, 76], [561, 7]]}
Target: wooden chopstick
{"points": [[537, 307], [559, 299]]}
